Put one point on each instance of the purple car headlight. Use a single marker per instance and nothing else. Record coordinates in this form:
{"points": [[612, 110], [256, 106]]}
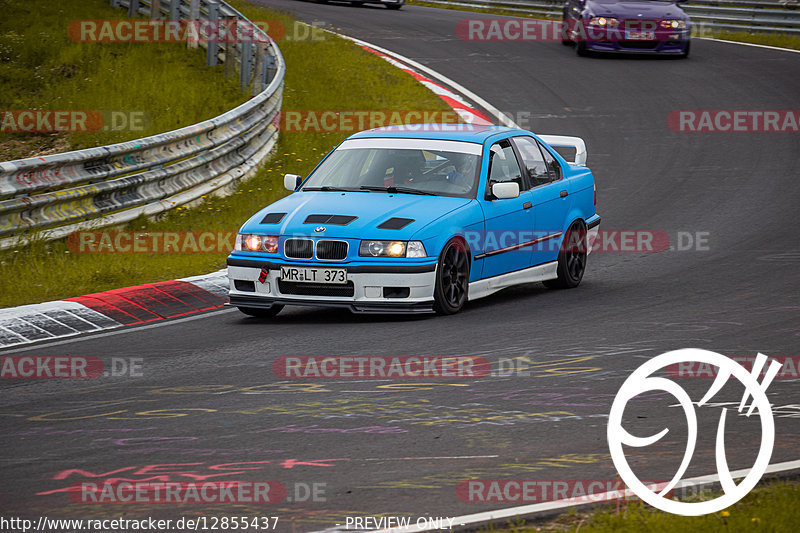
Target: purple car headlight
{"points": [[604, 22], [673, 24]]}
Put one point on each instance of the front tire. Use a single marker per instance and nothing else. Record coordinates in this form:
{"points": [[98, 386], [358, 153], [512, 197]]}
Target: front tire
{"points": [[580, 48], [571, 258], [452, 278], [259, 312]]}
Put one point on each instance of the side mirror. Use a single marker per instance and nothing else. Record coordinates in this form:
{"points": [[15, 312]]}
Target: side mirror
{"points": [[506, 189], [292, 181]]}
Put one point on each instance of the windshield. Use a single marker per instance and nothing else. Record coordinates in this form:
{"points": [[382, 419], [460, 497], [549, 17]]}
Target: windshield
{"points": [[441, 168]]}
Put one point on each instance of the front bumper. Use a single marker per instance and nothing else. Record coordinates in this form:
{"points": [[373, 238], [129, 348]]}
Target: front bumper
{"points": [[369, 287], [666, 42]]}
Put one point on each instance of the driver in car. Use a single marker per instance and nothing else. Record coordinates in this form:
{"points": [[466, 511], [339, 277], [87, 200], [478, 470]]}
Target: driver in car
{"points": [[407, 164], [463, 172]]}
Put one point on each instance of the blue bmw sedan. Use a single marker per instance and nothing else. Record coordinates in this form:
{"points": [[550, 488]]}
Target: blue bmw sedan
{"points": [[420, 218]]}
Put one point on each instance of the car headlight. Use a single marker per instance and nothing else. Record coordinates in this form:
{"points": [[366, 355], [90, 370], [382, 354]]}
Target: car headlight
{"points": [[605, 22], [391, 249], [256, 243], [415, 249], [673, 24]]}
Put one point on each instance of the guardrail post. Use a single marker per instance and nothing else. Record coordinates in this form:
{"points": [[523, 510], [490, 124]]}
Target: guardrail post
{"points": [[244, 69], [133, 8], [258, 75], [194, 15], [271, 69], [114, 3], [231, 28], [265, 70], [212, 46], [155, 9], [174, 9]]}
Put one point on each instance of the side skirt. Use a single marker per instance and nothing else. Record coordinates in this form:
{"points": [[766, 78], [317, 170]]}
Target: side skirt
{"points": [[485, 287]]}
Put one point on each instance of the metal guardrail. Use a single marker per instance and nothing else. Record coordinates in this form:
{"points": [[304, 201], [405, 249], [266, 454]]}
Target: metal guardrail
{"points": [[96, 187], [751, 16]]}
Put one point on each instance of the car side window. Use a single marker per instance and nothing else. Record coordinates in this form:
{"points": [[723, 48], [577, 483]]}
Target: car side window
{"points": [[503, 165], [535, 164], [553, 168]]}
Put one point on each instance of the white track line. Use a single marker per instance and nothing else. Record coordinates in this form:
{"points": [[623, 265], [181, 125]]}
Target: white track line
{"points": [[523, 510], [768, 47]]}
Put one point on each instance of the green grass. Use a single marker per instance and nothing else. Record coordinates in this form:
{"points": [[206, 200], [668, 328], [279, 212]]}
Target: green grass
{"points": [[331, 74], [779, 40], [771, 507], [42, 68]]}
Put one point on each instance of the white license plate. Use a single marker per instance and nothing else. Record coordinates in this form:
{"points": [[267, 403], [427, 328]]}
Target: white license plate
{"points": [[640, 35], [314, 275]]}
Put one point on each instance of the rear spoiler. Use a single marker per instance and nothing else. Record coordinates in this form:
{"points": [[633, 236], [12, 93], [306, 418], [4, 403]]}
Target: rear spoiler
{"points": [[568, 142]]}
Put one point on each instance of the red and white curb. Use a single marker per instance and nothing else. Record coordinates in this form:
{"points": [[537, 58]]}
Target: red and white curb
{"points": [[457, 96], [460, 105], [128, 306]]}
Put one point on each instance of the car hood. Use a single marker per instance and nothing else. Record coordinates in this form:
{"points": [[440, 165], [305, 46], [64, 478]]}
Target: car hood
{"points": [[645, 9], [370, 209]]}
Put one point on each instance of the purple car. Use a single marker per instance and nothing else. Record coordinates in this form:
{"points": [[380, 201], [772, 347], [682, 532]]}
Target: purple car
{"points": [[635, 26]]}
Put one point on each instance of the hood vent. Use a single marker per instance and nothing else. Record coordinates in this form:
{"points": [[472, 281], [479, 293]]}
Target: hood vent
{"points": [[336, 220], [273, 218], [396, 223]]}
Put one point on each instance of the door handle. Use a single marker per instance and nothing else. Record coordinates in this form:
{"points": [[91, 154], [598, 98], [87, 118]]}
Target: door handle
{"points": [[564, 194], [527, 205]]}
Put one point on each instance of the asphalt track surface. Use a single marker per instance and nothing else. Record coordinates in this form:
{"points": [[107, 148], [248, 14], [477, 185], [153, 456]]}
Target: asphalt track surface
{"points": [[208, 394]]}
